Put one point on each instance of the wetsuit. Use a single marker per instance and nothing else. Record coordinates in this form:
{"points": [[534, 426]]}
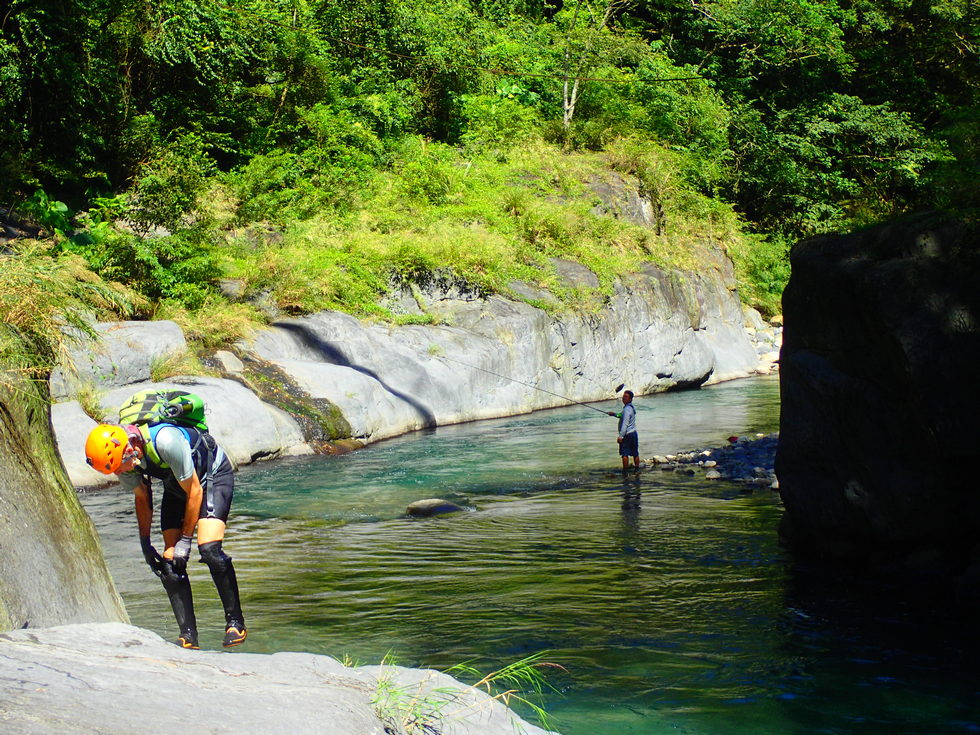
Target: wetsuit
{"points": [[179, 452], [173, 454]]}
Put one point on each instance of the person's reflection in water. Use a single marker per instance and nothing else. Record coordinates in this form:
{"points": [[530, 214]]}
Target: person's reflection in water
{"points": [[631, 508]]}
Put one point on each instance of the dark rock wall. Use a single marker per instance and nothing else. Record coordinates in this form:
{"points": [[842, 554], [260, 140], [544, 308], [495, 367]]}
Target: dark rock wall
{"points": [[880, 395]]}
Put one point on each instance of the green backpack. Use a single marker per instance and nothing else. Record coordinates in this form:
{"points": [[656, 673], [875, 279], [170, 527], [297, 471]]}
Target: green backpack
{"points": [[164, 407]]}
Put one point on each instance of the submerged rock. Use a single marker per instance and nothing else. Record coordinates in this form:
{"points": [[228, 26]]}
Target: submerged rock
{"points": [[432, 507]]}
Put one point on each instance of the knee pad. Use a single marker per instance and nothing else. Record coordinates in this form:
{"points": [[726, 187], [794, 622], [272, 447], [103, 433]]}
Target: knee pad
{"points": [[225, 581], [214, 556]]}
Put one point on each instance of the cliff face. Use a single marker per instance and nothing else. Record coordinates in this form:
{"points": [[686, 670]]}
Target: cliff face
{"points": [[496, 357], [51, 566], [880, 395]]}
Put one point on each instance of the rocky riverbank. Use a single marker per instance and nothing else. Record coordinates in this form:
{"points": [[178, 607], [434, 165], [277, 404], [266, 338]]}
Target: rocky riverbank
{"points": [[746, 460], [329, 381]]}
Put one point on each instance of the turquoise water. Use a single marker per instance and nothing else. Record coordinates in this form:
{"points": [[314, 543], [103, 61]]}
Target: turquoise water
{"points": [[665, 599]]}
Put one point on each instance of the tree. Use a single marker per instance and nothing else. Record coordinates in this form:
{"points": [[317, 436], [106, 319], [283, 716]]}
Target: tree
{"points": [[586, 36]]}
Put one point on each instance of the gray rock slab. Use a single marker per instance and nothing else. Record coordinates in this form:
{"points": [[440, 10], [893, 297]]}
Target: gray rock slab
{"points": [[622, 200], [495, 357], [530, 293], [373, 411], [574, 274], [124, 356], [229, 361], [71, 427], [487, 358], [117, 679], [248, 428]]}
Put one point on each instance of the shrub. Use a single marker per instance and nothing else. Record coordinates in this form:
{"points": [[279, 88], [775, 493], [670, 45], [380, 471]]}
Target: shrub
{"points": [[168, 185], [762, 267], [214, 323], [41, 294], [497, 122]]}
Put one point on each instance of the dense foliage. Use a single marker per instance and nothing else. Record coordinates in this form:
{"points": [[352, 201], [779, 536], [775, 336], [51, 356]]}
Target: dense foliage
{"points": [[189, 117]]}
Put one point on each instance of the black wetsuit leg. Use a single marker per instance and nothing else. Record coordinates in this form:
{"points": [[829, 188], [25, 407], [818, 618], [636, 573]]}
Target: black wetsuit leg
{"points": [[225, 581], [182, 601]]}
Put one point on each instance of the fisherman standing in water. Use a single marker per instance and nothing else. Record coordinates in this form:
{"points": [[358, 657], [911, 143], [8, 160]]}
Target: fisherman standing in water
{"points": [[629, 444], [198, 484]]}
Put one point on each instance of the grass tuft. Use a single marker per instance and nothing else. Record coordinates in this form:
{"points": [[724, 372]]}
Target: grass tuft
{"points": [[419, 709], [48, 303]]}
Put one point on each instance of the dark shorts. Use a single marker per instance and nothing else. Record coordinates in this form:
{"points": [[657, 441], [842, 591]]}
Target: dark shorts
{"points": [[216, 502], [630, 446]]}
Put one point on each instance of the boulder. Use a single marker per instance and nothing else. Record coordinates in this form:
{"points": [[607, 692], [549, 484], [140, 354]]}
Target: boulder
{"points": [[52, 570], [71, 427], [487, 357], [431, 507], [124, 356], [492, 357], [246, 428], [879, 394]]}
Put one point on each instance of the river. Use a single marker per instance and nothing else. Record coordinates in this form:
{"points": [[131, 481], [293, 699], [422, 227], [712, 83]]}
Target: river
{"points": [[666, 599]]}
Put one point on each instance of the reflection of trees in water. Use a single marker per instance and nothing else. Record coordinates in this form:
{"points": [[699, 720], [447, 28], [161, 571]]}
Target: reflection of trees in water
{"points": [[763, 405]]}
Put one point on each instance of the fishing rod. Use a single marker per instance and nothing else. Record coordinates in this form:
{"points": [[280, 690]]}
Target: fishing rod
{"points": [[515, 380]]}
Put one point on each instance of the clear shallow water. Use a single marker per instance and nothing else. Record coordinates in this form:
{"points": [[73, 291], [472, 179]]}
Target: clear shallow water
{"points": [[666, 598]]}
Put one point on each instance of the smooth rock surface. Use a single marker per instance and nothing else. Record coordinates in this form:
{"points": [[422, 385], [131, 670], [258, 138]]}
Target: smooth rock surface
{"points": [[52, 570], [431, 507], [488, 358], [124, 356], [494, 357], [247, 428], [115, 679], [71, 427]]}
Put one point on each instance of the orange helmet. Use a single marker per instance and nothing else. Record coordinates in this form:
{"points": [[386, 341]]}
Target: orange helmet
{"points": [[105, 446]]}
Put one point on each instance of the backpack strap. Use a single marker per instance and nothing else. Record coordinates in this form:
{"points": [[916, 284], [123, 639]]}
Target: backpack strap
{"points": [[194, 437], [150, 447]]}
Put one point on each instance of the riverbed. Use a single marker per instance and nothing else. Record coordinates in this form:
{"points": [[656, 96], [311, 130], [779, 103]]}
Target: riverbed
{"points": [[665, 598]]}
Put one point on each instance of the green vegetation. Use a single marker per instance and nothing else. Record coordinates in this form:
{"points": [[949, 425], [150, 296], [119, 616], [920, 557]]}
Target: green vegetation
{"points": [[321, 153], [44, 305], [90, 399], [177, 363], [422, 709]]}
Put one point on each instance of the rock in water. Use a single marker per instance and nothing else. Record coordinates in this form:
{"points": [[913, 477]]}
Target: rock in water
{"points": [[431, 507]]}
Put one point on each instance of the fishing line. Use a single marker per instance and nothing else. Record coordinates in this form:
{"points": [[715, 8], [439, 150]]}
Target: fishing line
{"points": [[515, 380]]}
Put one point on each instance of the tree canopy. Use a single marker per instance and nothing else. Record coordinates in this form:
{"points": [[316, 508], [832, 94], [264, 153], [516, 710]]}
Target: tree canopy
{"points": [[805, 115]]}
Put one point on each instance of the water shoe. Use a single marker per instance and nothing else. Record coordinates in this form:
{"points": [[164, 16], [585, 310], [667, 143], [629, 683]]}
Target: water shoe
{"points": [[235, 633], [188, 640]]}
